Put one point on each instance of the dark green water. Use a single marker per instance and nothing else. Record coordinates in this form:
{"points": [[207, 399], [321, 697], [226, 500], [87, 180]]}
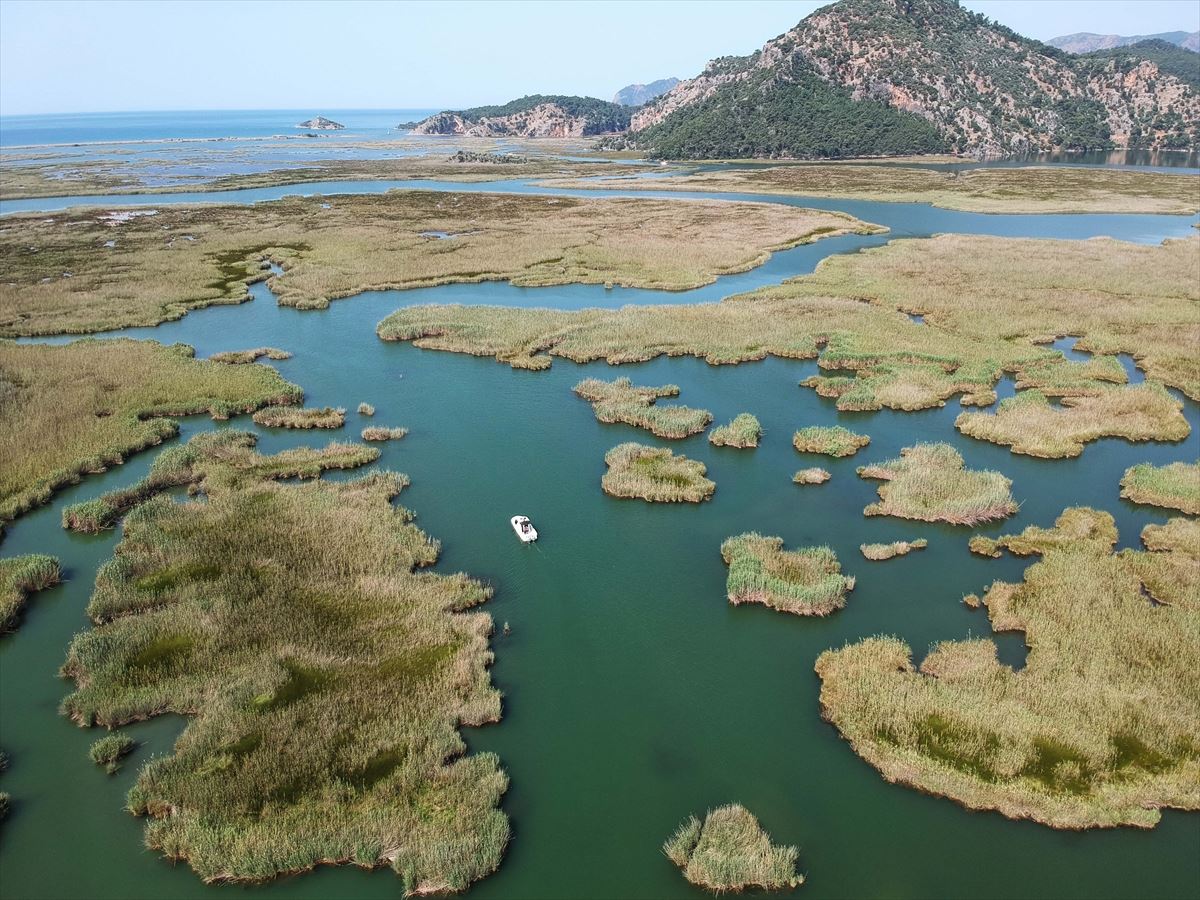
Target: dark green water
{"points": [[635, 694]]}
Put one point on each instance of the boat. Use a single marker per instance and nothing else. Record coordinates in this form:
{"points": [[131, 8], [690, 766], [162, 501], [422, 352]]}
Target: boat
{"points": [[524, 528]]}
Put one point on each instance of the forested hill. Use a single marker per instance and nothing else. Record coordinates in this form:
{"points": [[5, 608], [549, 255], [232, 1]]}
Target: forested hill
{"points": [[866, 77], [538, 115]]}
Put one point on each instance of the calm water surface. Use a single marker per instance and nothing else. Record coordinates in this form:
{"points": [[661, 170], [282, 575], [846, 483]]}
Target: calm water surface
{"points": [[634, 693]]}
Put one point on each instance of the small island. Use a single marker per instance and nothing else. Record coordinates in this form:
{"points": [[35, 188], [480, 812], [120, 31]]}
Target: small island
{"points": [[832, 440], [655, 474], [806, 582], [730, 851], [930, 483], [623, 401], [320, 123], [744, 431]]}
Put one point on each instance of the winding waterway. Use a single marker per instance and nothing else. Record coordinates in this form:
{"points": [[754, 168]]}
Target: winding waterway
{"points": [[634, 693]]}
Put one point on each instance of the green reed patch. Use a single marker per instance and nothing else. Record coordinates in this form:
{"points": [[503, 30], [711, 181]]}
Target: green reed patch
{"points": [[110, 750], [655, 474], [743, 431], [806, 582], [291, 417], [21, 576], [832, 440], [730, 851], [1099, 728], [622, 401], [1175, 486], [929, 482], [895, 548], [376, 433], [323, 676], [244, 357]]}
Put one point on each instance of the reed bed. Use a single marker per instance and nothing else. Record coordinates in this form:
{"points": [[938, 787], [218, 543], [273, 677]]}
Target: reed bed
{"points": [[805, 582], [814, 475], [21, 576], [294, 417], [831, 440], [366, 409], [70, 410], [930, 483], [1175, 486], [1030, 189], [730, 851], [1056, 378], [1099, 729], [905, 385], [744, 430], [375, 433], [110, 750], [187, 257], [323, 677], [622, 401], [895, 548], [244, 357], [1029, 424], [654, 474]]}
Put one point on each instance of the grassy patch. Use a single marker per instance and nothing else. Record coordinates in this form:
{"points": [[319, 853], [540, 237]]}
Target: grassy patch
{"points": [[1029, 424], [814, 475], [929, 482], [244, 357], [366, 409], [895, 548], [70, 410], [1029, 189], [323, 676], [110, 750], [1100, 727], [21, 576], [376, 433], [622, 401], [1175, 486], [369, 242], [293, 417], [743, 431], [831, 440], [655, 474], [806, 582], [730, 851]]}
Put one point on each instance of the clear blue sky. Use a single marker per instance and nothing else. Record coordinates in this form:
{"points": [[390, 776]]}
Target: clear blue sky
{"points": [[67, 56]]}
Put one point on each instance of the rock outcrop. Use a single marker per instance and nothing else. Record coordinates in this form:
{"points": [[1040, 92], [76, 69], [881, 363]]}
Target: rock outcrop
{"points": [[320, 123]]}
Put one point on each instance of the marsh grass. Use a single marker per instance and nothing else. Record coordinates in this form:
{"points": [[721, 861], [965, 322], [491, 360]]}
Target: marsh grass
{"points": [[806, 582], [366, 409], [654, 474], [831, 440], [1029, 424], [930, 483], [375, 433], [1099, 729], [743, 431], [291, 417], [1175, 486], [244, 357], [372, 242], [814, 475], [730, 851], [110, 750], [66, 411], [21, 576], [622, 401], [895, 548], [324, 679]]}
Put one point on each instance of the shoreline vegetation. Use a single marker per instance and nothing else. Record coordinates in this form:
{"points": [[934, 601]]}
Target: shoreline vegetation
{"points": [[894, 549], [262, 636], [1174, 486], [178, 258], [1098, 729], [831, 440], [244, 357], [984, 301], [814, 475], [730, 851], [377, 433], [110, 750], [297, 417], [622, 401], [743, 431], [1017, 189], [654, 474], [931, 483], [75, 409], [805, 582], [21, 576]]}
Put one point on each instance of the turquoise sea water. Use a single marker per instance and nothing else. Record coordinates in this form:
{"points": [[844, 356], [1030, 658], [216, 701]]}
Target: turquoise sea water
{"points": [[634, 693]]}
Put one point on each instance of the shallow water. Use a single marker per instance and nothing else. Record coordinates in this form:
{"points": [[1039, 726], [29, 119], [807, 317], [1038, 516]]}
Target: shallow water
{"points": [[634, 693]]}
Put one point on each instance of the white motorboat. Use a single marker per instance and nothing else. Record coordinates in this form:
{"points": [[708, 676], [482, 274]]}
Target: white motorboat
{"points": [[524, 528]]}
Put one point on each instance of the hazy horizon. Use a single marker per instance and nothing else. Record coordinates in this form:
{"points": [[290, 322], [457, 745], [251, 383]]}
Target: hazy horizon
{"points": [[418, 55]]}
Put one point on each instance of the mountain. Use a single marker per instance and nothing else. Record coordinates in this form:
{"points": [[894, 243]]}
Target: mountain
{"points": [[637, 94], [1170, 58], [1086, 42], [882, 77], [537, 115]]}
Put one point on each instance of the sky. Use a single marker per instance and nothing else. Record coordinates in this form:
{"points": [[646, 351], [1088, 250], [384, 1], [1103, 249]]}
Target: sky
{"points": [[106, 55]]}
